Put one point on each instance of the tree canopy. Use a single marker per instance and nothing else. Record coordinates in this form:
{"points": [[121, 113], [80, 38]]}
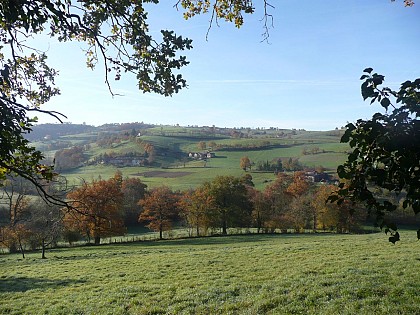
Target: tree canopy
{"points": [[386, 151], [115, 34], [99, 208], [160, 209]]}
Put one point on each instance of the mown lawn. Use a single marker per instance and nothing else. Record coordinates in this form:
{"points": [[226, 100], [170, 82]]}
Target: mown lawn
{"points": [[256, 274]]}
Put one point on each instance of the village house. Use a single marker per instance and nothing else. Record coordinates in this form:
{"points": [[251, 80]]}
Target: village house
{"points": [[316, 177], [201, 155]]}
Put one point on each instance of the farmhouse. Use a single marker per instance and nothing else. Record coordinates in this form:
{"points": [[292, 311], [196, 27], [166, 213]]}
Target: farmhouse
{"points": [[316, 177], [201, 155]]}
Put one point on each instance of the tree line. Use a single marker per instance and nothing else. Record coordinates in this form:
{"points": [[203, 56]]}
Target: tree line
{"points": [[105, 208]]}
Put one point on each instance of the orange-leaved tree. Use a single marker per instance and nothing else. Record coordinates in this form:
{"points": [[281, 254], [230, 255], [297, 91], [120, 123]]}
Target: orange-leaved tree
{"points": [[99, 209], [245, 163], [196, 207], [340, 217], [16, 201], [160, 209], [300, 211], [261, 209], [279, 198]]}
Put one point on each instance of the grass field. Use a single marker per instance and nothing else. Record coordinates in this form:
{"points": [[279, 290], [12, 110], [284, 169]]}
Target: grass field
{"points": [[250, 274], [174, 143]]}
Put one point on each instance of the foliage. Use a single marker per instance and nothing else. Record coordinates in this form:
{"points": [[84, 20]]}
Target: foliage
{"points": [[261, 209], [16, 202], [299, 185], [45, 225], [232, 11], [247, 180], [407, 3], [279, 199], [116, 33], [197, 207], [245, 163], [202, 145], [69, 158], [99, 211], [26, 82], [232, 206], [292, 164], [28, 221], [300, 214], [275, 166], [134, 190], [159, 209], [386, 151], [330, 216]]}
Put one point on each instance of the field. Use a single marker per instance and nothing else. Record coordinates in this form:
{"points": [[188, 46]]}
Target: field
{"points": [[249, 274], [172, 166]]}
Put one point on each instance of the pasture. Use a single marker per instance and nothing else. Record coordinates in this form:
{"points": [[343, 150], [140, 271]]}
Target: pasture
{"points": [[180, 173], [249, 274]]}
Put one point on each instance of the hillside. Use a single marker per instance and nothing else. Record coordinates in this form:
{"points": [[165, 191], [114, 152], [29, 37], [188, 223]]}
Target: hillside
{"points": [[174, 155], [253, 274]]}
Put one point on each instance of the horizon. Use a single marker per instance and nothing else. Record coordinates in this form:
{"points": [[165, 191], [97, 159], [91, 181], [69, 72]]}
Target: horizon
{"points": [[305, 77], [182, 126]]}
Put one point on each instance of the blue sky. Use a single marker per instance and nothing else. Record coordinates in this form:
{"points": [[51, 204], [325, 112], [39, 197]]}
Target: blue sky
{"points": [[306, 76]]}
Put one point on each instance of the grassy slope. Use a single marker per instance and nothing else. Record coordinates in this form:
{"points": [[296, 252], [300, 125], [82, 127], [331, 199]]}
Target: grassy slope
{"points": [[280, 274]]}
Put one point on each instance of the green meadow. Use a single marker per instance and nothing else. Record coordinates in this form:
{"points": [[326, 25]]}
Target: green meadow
{"points": [[172, 166], [248, 274]]}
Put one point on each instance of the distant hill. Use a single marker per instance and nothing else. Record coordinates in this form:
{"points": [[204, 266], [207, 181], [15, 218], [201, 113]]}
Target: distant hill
{"points": [[55, 131], [184, 157]]}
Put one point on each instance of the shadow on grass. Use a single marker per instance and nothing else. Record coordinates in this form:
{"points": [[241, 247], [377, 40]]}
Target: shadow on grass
{"points": [[209, 240], [23, 284]]}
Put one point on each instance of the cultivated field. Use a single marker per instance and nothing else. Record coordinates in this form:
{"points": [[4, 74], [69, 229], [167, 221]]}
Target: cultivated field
{"points": [[255, 274]]}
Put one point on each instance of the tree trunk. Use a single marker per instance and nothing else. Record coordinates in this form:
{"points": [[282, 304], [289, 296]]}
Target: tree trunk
{"points": [[43, 250], [224, 228], [22, 250], [160, 234], [97, 240]]}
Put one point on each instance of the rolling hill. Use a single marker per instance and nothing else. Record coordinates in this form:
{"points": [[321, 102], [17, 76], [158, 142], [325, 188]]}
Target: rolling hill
{"points": [[165, 154]]}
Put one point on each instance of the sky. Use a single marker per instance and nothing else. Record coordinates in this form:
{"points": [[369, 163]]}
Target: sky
{"points": [[305, 77]]}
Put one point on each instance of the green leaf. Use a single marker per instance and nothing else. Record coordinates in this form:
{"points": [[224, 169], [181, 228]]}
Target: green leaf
{"points": [[385, 102], [341, 172], [367, 90], [378, 79], [368, 70]]}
